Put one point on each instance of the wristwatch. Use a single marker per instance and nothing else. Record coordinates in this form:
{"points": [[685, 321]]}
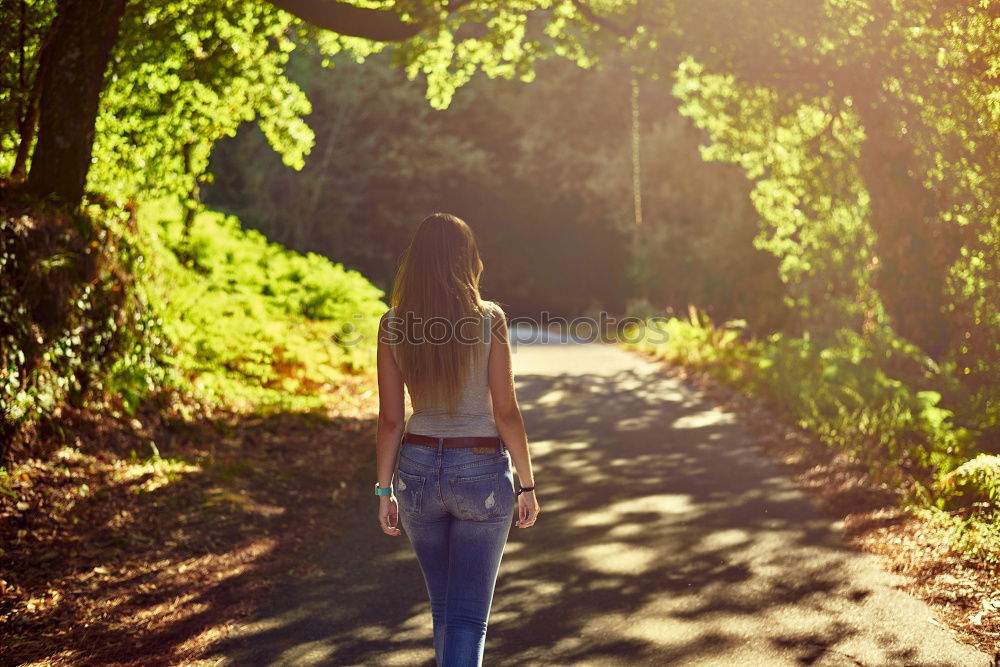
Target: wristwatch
{"points": [[379, 491]]}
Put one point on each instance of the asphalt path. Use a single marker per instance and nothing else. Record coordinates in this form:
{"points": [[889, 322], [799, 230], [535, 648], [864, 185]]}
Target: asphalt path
{"points": [[665, 538]]}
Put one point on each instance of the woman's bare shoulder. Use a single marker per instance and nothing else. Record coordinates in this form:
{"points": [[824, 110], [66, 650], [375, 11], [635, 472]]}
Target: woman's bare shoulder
{"points": [[494, 308], [388, 320]]}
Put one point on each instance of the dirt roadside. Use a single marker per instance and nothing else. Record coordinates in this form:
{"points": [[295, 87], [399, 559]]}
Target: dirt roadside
{"points": [[112, 558]]}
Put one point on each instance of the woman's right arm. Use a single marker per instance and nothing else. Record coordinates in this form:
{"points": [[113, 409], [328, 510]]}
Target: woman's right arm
{"points": [[507, 414]]}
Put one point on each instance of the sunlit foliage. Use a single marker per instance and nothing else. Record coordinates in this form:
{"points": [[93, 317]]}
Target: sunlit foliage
{"points": [[75, 321], [250, 322], [869, 129], [871, 141]]}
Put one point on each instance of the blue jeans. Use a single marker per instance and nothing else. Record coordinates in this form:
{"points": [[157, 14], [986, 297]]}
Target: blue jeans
{"points": [[456, 506]]}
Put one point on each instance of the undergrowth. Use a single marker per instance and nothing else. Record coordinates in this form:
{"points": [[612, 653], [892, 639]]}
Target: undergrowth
{"points": [[76, 325], [106, 308], [252, 323]]}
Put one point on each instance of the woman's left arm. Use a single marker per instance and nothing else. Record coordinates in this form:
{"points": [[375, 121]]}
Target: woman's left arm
{"points": [[391, 413]]}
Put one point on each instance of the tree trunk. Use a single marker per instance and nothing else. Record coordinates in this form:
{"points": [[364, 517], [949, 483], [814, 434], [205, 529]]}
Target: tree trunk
{"points": [[73, 63], [915, 248], [27, 124], [71, 69]]}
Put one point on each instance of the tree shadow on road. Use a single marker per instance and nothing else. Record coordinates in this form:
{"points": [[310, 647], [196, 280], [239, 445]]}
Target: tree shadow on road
{"points": [[665, 538]]}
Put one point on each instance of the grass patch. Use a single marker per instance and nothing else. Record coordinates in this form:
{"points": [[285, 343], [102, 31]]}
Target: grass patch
{"points": [[253, 325]]}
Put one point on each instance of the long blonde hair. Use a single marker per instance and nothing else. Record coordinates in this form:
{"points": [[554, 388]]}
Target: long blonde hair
{"points": [[438, 277]]}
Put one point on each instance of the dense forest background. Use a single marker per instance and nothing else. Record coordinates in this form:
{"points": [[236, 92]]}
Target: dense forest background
{"points": [[543, 173]]}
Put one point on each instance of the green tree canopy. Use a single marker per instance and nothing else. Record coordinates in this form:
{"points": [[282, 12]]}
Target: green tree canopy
{"points": [[869, 128]]}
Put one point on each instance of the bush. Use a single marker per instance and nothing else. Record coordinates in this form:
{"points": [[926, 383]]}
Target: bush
{"points": [[977, 479], [252, 323], [75, 324], [105, 308]]}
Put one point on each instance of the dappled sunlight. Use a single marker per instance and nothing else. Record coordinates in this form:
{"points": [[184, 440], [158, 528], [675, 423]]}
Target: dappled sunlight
{"points": [[575, 464], [553, 397], [558, 505], [240, 499], [143, 475], [635, 424], [703, 419], [513, 548], [574, 446], [316, 651], [722, 539], [616, 513], [615, 557], [661, 630], [169, 565], [542, 447], [664, 538]]}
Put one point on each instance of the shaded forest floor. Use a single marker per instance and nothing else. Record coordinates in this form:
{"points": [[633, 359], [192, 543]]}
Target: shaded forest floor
{"points": [[118, 559], [148, 559], [964, 593]]}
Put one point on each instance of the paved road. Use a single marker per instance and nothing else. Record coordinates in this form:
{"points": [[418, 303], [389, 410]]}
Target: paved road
{"points": [[665, 539]]}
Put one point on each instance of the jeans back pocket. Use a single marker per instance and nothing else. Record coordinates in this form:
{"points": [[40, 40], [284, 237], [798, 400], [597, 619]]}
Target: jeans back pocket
{"points": [[478, 497], [409, 491]]}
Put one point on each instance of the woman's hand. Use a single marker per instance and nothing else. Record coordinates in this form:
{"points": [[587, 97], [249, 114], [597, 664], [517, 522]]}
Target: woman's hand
{"points": [[527, 509], [388, 515]]}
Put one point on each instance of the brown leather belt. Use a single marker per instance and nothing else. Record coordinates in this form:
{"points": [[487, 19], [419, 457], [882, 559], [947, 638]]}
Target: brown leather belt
{"points": [[466, 441]]}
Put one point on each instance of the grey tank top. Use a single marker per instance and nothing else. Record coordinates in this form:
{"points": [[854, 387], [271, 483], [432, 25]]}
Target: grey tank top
{"points": [[474, 413]]}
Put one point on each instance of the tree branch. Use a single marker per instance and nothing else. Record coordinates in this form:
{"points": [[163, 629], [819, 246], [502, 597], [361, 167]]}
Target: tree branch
{"points": [[381, 25], [604, 22]]}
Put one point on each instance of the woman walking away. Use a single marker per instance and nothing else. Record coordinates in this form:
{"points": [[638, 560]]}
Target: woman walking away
{"points": [[454, 491]]}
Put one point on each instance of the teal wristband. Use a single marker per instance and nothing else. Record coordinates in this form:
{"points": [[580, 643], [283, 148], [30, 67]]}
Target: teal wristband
{"points": [[379, 491]]}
